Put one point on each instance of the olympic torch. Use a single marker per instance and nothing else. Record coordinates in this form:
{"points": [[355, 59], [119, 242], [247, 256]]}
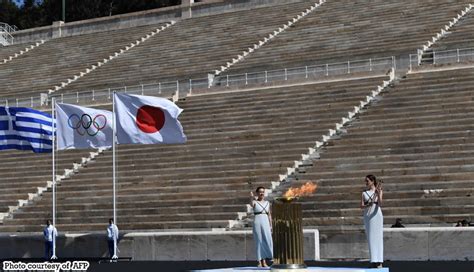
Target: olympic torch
{"points": [[287, 223]]}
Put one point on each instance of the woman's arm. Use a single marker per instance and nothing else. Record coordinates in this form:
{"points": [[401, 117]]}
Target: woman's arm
{"points": [[270, 217], [362, 202], [379, 192], [252, 199]]}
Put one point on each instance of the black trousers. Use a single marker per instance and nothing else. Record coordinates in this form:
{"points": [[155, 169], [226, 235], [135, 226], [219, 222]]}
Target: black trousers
{"points": [[110, 243], [48, 250]]}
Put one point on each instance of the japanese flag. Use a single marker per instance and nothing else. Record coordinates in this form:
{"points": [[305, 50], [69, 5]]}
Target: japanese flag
{"points": [[147, 120]]}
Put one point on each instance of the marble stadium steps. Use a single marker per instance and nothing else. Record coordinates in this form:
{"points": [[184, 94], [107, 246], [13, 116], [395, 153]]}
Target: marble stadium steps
{"points": [[227, 158], [461, 36], [22, 172], [63, 58], [191, 49], [417, 138], [11, 50], [376, 29]]}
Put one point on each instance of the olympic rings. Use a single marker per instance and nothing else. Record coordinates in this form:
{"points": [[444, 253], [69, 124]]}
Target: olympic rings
{"points": [[86, 124]]}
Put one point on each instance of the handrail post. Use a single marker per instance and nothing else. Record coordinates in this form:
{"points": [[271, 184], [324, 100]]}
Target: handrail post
{"points": [[142, 90], [410, 62], [108, 96], [17, 102], [327, 69], [190, 86], [227, 81], [62, 98], [93, 95], [286, 74], [394, 63], [246, 79], [370, 64], [434, 57], [457, 54], [348, 67], [159, 87], [266, 76], [31, 102], [77, 97], [306, 71]]}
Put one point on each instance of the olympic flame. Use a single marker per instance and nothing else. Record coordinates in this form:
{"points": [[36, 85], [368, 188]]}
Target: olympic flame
{"points": [[306, 189]]}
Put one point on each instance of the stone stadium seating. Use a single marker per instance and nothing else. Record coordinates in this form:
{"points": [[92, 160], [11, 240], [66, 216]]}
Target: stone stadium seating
{"points": [[59, 59], [236, 142], [35, 171], [13, 51], [339, 31], [461, 36], [192, 48], [417, 138]]}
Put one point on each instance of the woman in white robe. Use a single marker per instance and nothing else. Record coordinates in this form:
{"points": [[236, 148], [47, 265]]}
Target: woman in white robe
{"points": [[371, 203], [262, 232]]}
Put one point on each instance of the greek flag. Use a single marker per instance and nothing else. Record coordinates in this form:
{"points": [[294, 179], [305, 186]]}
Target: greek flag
{"points": [[25, 129]]}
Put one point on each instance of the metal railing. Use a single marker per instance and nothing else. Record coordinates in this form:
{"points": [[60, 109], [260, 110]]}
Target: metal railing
{"points": [[8, 28], [5, 37], [224, 82], [311, 72], [442, 57], [163, 89]]}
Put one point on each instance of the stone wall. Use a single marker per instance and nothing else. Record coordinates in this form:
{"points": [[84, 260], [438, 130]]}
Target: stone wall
{"points": [[399, 244], [147, 17], [414, 244], [160, 246]]}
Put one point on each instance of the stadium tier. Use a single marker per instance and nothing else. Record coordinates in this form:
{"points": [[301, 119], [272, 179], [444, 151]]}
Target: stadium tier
{"points": [[460, 36], [10, 51], [191, 48], [236, 141], [22, 173], [339, 31], [417, 138], [59, 59], [194, 47]]}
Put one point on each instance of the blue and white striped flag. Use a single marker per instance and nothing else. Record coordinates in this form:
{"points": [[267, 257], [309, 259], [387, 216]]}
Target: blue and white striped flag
{"points": [[25, 129]]}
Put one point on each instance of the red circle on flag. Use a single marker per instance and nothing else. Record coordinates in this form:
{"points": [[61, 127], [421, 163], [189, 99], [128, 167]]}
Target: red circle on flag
{"points": [[150, 119]]}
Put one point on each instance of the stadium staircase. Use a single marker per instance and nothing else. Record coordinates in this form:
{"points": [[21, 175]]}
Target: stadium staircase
{"points": [[11, 52], [25, 176], [460, 35]]}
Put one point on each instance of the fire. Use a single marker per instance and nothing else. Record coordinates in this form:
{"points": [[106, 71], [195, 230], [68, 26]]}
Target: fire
{"points": [[306, 189]]}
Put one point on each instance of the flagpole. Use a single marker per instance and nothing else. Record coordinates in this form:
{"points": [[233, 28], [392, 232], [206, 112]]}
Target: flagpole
{"points": [[53, 114], [114, 128]]}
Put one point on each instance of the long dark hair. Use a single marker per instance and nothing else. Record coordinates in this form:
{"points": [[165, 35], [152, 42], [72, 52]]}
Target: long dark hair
{"points": [[373, 179], [258, 188]]}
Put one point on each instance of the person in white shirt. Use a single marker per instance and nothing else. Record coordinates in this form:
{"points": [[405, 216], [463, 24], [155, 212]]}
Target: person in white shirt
{"points": [[112, 238], [49, 233]]}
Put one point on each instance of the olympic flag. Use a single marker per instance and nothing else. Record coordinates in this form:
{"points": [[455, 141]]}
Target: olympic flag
{"points": [[25, 129], [147, 120], [80, 127]]}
